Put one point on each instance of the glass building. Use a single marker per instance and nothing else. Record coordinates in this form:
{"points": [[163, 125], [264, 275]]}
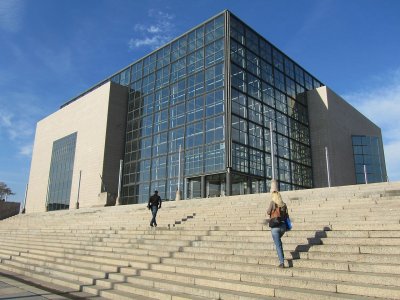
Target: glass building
{"points": [[214, 92]]}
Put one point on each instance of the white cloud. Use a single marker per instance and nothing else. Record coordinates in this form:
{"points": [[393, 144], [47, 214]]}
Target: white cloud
{"points": [[5, 118], [382, 106], [26, 150], [19, 113], [11, 15], [154, 41], [16, 128], [153, 35], [154, 29]]}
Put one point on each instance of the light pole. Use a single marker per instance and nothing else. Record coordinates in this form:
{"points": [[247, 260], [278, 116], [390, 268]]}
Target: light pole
{"points": [[79, 189], [327, 167], [365, 174], [118, 201], [274, 183], [178, 190]]}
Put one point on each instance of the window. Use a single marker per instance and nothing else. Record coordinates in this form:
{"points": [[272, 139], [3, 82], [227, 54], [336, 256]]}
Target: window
{"points": [[160, 145], [160, 121], [238, 78], [194, 160], [178, 69], [176, 138], [266, 72], [149, 64], [136, 71], [266, 51], [256, 136], [253, 64], [214, 52], [178, 48], [238, 53], [145, 147], [162, 99], [251, 40], [369, 161], [256, 159], [163, 56], [277, 59], [61, 171], [214, 156], [237, 30], [177, 115], [279, 79], [254, 86], [195, 85], [215, 130], [214, 77], [195, 109], [178, 92], [214, 103], [289, 68], [125, 77], [195, 61], [255, 110], [239, 103], [239, 130], [162, 76], [240, 161], [159, 168], [194, 135], [214, 29]]}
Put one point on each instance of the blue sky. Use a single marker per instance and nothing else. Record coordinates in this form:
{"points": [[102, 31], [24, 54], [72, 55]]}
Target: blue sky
{"points": [[51, 51]]}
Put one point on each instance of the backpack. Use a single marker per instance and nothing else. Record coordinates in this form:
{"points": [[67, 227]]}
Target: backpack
{"points": [[278, 215]]}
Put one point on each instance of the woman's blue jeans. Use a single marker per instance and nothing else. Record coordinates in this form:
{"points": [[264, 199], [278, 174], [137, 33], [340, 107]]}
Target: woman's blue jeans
{"points": [[277, 233]]}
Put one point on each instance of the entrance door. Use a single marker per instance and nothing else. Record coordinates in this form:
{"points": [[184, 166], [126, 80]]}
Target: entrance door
{"points": [[194, 188]]}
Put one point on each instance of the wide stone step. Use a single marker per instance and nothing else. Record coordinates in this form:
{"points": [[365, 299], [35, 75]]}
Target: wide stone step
{"points": [[87, 273], [245, 252], [350, 257], [135, 292], [251, 283], [113, 294], [351, 266], [203, 287], [227, 269], [97, 263], [74, 285], [68, 276], [256, 246], [360, 241]]}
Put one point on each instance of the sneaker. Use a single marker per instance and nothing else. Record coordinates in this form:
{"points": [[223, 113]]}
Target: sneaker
{"points": [[281, 266], [151, 225], [155, 225]]}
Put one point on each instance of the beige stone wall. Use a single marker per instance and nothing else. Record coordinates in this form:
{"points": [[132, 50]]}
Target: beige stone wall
{"points": [[90, 117], [332, 123]]}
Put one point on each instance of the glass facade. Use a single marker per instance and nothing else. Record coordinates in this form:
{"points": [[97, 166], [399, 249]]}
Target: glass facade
{"points": [[213, 92], [60, 177], [177, 99], [369, 160], [264, 85]]}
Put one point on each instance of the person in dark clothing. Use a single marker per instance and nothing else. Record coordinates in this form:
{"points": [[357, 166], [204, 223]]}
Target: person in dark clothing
{"points": [[154, 205]]}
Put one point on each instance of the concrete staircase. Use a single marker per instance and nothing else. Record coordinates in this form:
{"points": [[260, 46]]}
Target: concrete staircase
{"points": [[345, 244]]}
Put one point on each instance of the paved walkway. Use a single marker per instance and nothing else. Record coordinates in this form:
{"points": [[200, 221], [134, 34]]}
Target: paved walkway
{"points": [[21, 288], [13, 289]]}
